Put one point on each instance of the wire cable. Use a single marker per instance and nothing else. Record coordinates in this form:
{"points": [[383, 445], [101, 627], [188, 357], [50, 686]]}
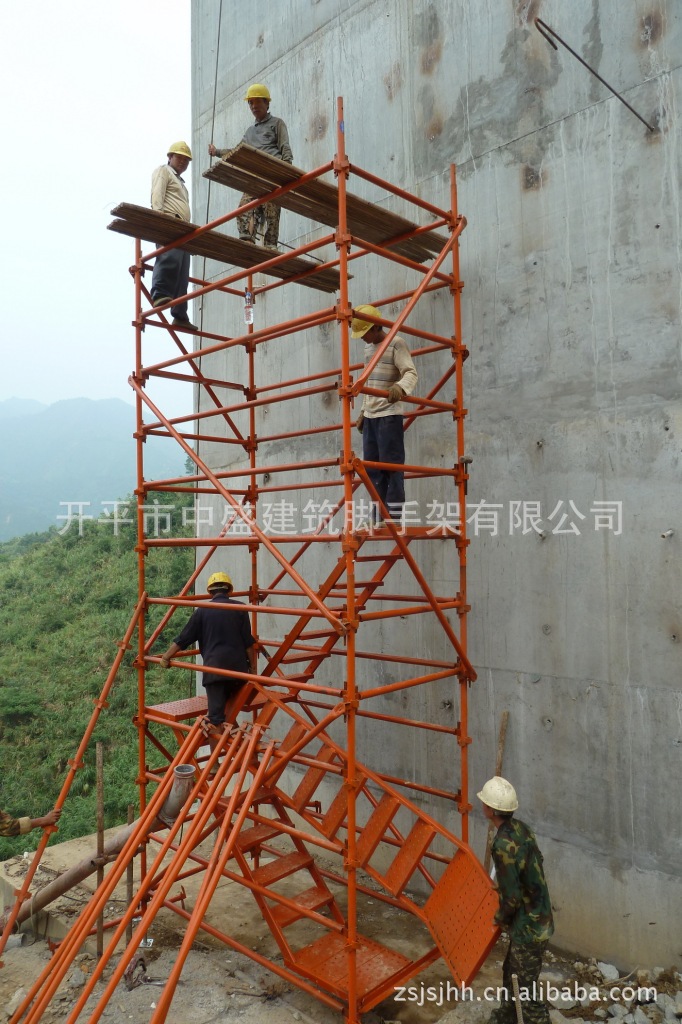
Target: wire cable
{"points": [[208, 194]]}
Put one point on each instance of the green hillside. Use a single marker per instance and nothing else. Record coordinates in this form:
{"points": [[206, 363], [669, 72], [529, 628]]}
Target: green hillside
{"points": [[65, 601]]}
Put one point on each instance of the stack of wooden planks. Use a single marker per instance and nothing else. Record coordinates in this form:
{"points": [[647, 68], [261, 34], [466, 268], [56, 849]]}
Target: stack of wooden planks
{"points": [[256, 173]]}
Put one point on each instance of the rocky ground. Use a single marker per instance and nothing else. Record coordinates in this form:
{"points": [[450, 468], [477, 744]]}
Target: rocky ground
{"points": [[220, 986]]}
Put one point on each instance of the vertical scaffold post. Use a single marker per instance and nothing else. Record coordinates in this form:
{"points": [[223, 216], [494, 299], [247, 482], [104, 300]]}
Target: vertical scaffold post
{"points": [[343, 245], [140, 547], [458, 354]]}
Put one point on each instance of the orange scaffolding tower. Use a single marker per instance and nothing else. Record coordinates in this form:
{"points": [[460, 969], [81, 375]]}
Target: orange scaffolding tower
{"points": [[298, 775]]}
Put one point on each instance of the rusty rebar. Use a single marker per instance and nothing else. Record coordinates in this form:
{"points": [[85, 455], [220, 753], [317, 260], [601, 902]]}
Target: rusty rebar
{"points": [[543, 28]]}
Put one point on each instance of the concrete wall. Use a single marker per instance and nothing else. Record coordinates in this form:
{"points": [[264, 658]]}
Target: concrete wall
{"points": [[572, 269]]}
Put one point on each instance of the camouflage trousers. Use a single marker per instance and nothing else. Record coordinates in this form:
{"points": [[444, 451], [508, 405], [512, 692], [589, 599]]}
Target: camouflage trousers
{"points": [[247, 223], [525, 961]]}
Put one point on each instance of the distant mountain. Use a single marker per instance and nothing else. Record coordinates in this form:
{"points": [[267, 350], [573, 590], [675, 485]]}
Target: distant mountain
{"points": [[20, 407], [76, 450]]}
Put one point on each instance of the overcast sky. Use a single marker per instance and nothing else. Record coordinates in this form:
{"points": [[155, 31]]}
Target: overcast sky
{"points": [[93, 95]]}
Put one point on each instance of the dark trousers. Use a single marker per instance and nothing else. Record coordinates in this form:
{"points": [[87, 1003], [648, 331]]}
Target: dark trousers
{"points": [[171, 278], [525, 961], [383, 440], [217, 696]]}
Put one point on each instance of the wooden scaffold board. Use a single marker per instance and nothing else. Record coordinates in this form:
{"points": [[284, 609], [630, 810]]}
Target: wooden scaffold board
{"points": [[164, 229], [256, 173]]}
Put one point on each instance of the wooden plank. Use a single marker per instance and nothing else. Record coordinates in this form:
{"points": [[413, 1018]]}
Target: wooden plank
{"points": [[162, 229], [257, 173]]}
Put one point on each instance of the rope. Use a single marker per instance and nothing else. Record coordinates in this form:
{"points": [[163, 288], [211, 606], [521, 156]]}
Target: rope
{"points": [[215, 93]]}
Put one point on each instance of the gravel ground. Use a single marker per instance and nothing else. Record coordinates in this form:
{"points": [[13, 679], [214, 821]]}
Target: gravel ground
{"points": [[220, 986]]}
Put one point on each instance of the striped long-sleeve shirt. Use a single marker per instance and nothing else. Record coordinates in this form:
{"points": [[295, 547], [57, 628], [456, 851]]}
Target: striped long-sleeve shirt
{"points": [[394, 367]]}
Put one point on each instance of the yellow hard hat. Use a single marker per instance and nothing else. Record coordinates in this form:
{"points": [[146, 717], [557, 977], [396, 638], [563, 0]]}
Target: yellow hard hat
{"points": [[257, 91], [181, 148], [359, 327], [219, 580], [499, 794]]}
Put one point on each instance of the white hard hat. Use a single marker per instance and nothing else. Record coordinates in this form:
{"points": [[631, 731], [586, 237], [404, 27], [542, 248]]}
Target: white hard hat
{"points": [[499, 794]]}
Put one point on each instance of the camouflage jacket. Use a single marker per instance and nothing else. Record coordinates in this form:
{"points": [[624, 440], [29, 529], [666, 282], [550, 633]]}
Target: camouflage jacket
{"points": [[10, 826], [525, 909]]}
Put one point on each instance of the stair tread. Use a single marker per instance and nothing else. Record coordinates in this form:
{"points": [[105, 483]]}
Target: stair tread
{"points": [[178, 710], [335, 814], [408, 857], [250, 837], [280, 868], [326, 961], [310, 899], [312, 778], [376, 826]]}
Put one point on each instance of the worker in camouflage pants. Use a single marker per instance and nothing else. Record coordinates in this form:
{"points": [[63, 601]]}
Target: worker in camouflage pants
{"points": [[525, 910], [269, 134], [267, 215]]}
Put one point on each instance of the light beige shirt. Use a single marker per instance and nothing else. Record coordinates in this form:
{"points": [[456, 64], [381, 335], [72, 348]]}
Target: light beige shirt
{"points": [[169, 194], [394, 367]]}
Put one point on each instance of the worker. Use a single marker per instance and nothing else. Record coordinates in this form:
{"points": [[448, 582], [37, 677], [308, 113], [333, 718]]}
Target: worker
{"points": [[270, 134], [525, 910], [225, 641], [10, 826], [170, 278], [381, 418]]}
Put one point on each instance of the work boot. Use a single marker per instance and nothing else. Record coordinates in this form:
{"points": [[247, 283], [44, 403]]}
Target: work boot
{"points": [[161, 301], [186, 323]]}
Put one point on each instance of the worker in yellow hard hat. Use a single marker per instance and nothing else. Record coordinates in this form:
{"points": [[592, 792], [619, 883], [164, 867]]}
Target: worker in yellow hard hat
{"points": [[269, 134], [525, 910], [222, 630], [170, 279], [381, 418]]}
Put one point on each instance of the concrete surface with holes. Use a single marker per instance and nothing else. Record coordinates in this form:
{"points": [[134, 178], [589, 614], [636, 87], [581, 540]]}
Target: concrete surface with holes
{"points": [[571, 310]]}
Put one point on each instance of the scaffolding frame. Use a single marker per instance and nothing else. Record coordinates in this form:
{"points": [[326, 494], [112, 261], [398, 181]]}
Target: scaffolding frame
{"points": [[298, 733]]}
